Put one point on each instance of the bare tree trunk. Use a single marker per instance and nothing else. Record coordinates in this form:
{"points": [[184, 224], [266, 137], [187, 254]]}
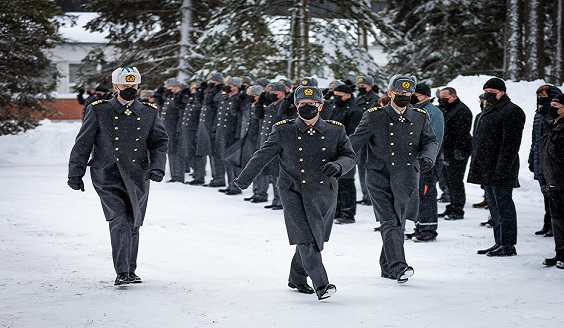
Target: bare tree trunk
{"points": [[558, 51], [533, 40], [512, 41], [185, 26]]}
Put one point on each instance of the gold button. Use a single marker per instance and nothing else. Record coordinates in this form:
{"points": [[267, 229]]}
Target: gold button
{"points": [[411, 124], [301, 159], [116, 117], [410, 133], [225, 126], [408, 164], [133, 161], [391, 123], [135, 149], [116, 128], [322, 137], [393, 163], [117, 149], [391, 144], [299, 138], [136, 139], [321, 182], [323, 160], [138, 129], [117, 159], [117, 138], [303, 181], [323, 149], [300, 149], [302, 170], [393, 154], [139, 118], [392, 134], [411, 143], [409, 154]]}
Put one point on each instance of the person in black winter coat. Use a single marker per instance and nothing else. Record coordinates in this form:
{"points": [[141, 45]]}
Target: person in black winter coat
{"points": [[495, 163], [552, 163], [457, 147], [545, 94]]}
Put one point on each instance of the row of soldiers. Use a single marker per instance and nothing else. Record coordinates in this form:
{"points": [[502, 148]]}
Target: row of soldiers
{"points": [[226, 119]]}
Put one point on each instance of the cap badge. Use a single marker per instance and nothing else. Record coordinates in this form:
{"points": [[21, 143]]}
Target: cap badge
{"points": [[406, 85], [308, 92], [130, 78]]}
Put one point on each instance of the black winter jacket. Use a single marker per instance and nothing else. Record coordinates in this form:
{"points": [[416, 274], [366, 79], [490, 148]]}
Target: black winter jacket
{"points": [[552, 156], [457, 141]]}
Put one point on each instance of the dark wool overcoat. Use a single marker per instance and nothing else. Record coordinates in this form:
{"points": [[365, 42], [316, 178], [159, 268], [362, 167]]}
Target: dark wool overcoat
{"points": [[125, 144]]}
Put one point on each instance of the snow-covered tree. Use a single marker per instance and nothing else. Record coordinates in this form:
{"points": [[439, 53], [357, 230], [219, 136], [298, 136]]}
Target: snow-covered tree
{"points": [[28, 29]]}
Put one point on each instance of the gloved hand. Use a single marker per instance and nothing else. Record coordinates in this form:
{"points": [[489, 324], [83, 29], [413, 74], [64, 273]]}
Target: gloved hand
{"points": [[240, 184], [81, 91], [331, 169], [425, 164], [76, 183], [155, 175]]}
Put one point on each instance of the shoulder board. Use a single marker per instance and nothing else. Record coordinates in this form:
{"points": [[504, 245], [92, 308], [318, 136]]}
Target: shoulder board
{"points": [[420, 110], [150, 105], [284, 122], [223, 92], [335, 122], [373, 109], [97, 102]]}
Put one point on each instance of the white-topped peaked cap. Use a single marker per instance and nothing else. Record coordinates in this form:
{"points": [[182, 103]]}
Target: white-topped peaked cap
{"points": [[126, 75]]}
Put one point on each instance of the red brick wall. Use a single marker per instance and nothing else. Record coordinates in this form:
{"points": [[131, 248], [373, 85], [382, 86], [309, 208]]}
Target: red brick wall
{"points": [[68, 109]]}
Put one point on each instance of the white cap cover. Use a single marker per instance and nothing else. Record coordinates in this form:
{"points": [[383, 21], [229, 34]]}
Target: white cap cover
{"points": [[126, 75]]}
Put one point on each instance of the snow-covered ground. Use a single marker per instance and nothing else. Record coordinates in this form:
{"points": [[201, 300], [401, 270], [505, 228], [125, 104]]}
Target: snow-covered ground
{"points": [[213, 260]]}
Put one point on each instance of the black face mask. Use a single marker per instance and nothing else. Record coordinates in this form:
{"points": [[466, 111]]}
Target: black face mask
{"points": [[339, 100], [443, 102], [490, 97], [227, 89], [128, 94], [401, 101], [543, 105], [553, 112], [273, 97], [414, 100], [307, 112], [362, 91]]}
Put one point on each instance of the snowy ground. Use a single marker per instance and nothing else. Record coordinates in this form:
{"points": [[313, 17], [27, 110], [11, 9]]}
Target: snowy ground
{"points": [[213, 260]]}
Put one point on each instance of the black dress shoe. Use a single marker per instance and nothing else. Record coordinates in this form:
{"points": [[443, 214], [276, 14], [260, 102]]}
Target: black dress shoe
{"points": [[233, 192], [405, 274], [545, 229], [259, 200], [172, 180], [550, 261], [425, 237], [302, 288], [387, 276], [489, 223], [134, 279], [344, 220], [482, 204], [447, 212], [215, 184], [195, 182], [560, 264], [224, 190], [549, 233], [277, 207], [454, 216], [508, 250], [487, 250], [248, 198], [326, 291], [122, 279], [269, 206]]}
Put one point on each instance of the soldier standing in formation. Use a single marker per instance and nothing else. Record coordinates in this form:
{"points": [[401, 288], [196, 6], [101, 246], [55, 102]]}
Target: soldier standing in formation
{"points": [[189, 131], [312, 153], [128, 143], [401, 144], [171, 115]]}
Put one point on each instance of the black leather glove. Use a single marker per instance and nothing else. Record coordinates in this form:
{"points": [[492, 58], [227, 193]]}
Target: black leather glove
{"points": [[331, 169], [239, 184], [76, 183], [425, 164], [155, 175]]}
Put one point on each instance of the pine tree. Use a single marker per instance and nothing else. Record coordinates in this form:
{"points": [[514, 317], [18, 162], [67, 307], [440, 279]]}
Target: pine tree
{"points": [[28, 28]]}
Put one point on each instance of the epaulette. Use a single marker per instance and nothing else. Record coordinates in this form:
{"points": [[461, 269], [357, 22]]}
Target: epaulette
{"points": [[335, 122], [150, 105], [373, 109], [420, 110], [97, 102], [284, 122]]}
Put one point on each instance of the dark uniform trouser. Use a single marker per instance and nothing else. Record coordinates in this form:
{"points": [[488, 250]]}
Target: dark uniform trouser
{"points": [[177, 165], [260, 187], [546, 198], [199, 167], [455, 180], [307, 262], [125, 244], [392, 257], [217, 168], [232, 172], [502, 210], [557, 214], [346, 196], [427, 219], [362, 157]]}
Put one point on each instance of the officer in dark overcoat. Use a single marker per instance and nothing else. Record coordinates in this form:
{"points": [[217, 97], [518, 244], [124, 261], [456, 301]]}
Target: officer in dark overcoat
{"points": [[189, 131], [127, 143], [171, 115], [312, 153], [401, 143]]}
